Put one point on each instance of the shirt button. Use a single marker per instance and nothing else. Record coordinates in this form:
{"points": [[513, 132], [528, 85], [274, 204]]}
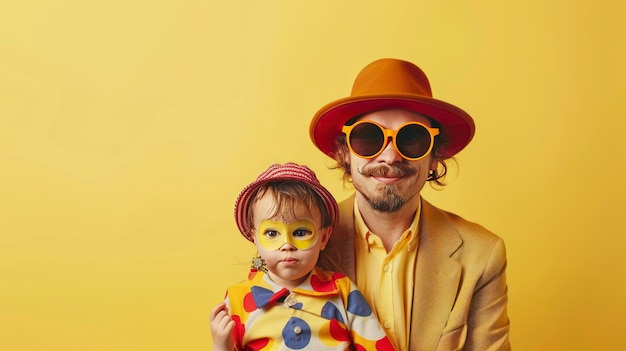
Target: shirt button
{"points": [[386, 268], [387, 325], [297, 329]]}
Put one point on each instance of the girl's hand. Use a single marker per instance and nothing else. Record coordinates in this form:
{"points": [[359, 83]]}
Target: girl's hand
{"points": [[222, 326]]}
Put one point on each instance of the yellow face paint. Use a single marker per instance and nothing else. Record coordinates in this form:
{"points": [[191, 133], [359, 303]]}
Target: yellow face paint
{"points": [[272, 235]]}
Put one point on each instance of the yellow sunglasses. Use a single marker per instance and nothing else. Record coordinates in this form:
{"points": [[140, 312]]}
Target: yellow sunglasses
{"points": [[368, 139]]}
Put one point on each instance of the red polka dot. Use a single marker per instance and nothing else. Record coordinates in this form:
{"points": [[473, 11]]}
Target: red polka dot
{"points": [[338, 275], [359, 347], [384, 344], [238, 331], [338, 332], [252, 273], [257, 344], [322, 286], [248, 303]]}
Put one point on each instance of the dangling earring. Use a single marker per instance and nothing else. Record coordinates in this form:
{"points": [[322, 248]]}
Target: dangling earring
{"points": [[431, 175], [258, 263]]}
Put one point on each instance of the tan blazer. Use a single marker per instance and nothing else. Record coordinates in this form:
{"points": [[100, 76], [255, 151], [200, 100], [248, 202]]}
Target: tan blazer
{"points": [[460, 293]]}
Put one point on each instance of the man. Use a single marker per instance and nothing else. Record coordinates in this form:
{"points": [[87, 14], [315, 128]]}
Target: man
{"points": [[435, 280]]}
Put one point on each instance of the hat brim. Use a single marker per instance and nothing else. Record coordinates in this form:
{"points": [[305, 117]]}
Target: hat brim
{"points": [[456, 126]]}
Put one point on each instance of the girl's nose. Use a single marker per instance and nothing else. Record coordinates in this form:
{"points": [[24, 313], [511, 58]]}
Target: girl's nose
{"points": [[287, 247]]}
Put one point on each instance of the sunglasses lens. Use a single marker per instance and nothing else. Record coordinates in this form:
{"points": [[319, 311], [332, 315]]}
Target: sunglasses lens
{"points": [[366, 139], [413, 141]]}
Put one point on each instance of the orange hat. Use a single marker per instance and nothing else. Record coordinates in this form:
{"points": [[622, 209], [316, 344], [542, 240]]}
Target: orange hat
{"points": [[277, 172], [392, 84]]}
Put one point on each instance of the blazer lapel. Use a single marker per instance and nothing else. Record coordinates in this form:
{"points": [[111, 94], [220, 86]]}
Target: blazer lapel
{"points": [[437, 278]]}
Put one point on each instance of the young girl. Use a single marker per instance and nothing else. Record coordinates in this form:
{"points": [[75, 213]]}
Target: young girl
{"points": [[287, 303]]}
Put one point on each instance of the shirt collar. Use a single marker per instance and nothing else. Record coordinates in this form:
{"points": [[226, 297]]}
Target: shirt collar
{"points": [[368, 238], [318, 283]]}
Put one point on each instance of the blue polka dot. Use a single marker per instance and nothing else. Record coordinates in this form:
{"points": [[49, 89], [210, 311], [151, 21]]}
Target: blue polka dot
{"points": [[297, 306], [358, 305], [296, 333], [330, 311]]}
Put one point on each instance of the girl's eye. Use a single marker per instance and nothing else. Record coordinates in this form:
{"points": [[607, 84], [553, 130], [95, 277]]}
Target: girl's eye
{"points": [[271, 233], [299, 233]]}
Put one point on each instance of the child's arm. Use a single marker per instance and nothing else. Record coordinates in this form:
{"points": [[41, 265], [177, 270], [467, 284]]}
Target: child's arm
{"points": [[222, 328]]}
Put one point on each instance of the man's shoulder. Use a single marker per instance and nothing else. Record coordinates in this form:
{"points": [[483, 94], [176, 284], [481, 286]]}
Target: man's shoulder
{"points": [[469, 231], [347, 203], [477, 246]]}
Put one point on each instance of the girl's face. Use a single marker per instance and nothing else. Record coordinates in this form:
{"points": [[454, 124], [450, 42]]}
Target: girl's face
{"points": [[290, 246]]}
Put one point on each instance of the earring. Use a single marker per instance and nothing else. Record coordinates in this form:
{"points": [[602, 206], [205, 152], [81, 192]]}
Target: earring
{"points": [[431, 175], [258, 263]]}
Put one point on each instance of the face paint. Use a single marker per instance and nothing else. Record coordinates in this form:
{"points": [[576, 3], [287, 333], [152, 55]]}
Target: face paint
{"points": [[272, 235]]}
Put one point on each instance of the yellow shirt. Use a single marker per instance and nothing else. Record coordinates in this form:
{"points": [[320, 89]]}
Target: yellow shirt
{"points": [[387, 278]]}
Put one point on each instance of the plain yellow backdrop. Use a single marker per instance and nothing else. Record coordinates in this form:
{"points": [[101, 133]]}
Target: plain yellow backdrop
{"points": [[128, 127]]}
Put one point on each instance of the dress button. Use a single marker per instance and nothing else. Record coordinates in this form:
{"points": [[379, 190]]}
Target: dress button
{"points": [[297, 329]]}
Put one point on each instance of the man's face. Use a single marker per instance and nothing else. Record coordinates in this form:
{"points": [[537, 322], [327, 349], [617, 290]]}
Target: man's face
{"points": [[388, 181]]}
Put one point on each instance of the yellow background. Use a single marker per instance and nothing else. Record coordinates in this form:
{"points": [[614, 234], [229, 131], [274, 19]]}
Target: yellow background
{"points": [[128, 127]]}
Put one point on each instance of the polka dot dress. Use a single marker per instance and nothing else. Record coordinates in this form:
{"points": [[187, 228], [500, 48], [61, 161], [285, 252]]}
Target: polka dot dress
{"points": [[326, 312]]}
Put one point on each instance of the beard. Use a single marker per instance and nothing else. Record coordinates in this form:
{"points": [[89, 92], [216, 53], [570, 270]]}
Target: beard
{"points": [[386, 197], [389, 200]]}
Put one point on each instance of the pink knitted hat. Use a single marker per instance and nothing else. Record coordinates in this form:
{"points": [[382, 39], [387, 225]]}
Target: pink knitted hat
{"points": [[276, 172]]}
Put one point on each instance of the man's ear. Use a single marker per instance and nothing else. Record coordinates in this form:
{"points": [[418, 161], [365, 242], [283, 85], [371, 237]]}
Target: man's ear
{"points": [[433, 164]]}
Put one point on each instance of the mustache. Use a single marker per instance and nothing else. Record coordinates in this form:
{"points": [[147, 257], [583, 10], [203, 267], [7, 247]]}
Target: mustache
{"points": [[385, 170]]}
